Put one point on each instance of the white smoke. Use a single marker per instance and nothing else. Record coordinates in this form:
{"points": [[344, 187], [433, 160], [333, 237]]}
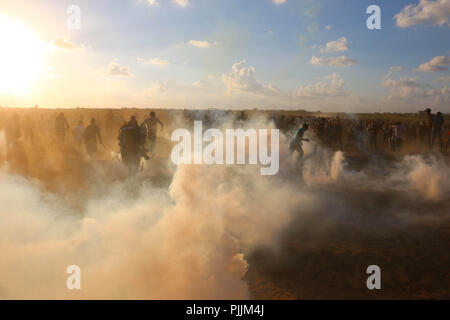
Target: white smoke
{"points": [[187, 242], [152, 245], [431, 179]]}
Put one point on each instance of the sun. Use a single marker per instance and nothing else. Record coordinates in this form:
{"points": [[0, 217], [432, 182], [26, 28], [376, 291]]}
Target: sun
{"points": [[21, 57]]}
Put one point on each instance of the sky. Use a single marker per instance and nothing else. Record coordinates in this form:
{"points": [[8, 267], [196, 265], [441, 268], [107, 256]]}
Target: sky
{"points": [[233, 54]]}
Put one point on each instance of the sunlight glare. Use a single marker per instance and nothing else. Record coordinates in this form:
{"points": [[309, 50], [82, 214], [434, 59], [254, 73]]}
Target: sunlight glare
{"points": [[21, 57]]}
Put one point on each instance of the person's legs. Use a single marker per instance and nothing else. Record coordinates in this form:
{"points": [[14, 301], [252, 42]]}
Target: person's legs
{"points": [[430, 138], [441, 146], [151, 142], [299, 149]]}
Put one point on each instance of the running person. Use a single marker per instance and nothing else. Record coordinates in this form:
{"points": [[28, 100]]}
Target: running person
{"points": [[78, 133], [151, 125], [90, 135], [61, 126], [130, 142], [296, 143]]}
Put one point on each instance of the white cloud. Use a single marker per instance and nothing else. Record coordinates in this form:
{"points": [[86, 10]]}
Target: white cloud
{"points": [[442, 79], [405, 88], [164, 87], [203, 43], [202, 93], [150, 2], [409, 90], [116, 70], [242, 78], [436, 64], [394, 69], [65, 43], [328, 27], [279, 1], [334, 87], [339, 45], [154, 61], [433, 12], [403, 82], [341, 61], [182, 3]]}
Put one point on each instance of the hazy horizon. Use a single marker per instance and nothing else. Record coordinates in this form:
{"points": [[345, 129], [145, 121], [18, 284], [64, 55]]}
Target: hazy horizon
{"points": [[269, 54]]}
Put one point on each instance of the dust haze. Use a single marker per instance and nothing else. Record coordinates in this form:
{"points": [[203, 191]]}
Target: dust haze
{"points": [[216, 232]]}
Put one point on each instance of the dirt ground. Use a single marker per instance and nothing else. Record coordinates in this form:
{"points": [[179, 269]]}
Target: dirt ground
{"points": [[319, 255]]}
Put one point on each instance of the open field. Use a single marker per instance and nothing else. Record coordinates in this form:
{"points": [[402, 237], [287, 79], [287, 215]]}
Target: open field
{"points": [[216, 232]]}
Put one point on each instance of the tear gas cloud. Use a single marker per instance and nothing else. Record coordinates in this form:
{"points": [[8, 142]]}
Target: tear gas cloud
{"points": [[189, 241]]}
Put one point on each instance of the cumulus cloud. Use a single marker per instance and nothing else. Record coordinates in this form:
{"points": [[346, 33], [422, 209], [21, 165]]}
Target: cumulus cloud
{"points": [[433, 12], [182, 3], [65, 43], [116, 70], [436, 64], [279, 1], [404, 88], [410, 90], [394, 69], [164, 87], [339, 45], [201, 93], [333, 87], [442, 79], [440, 95], [341, 61], [203, 43], [242, 78], [154, 61], [403, 82]]}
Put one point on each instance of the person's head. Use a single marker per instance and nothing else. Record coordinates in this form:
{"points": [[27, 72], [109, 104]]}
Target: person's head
{"points": [[428, 111], [152, 114], [305, 126], [133, 121], [92, 121], [439, 114]]}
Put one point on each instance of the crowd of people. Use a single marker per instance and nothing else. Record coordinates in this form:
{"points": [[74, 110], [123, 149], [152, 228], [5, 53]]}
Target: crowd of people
{"points": [[137, 140], [369, 136]]}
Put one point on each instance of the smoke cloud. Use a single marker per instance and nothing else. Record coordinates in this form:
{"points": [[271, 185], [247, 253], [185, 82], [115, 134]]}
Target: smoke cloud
{"points": [[138, 240]]}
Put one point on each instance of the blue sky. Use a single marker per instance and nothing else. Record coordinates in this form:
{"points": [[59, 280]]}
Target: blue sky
{"points": [[181, 54]]}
